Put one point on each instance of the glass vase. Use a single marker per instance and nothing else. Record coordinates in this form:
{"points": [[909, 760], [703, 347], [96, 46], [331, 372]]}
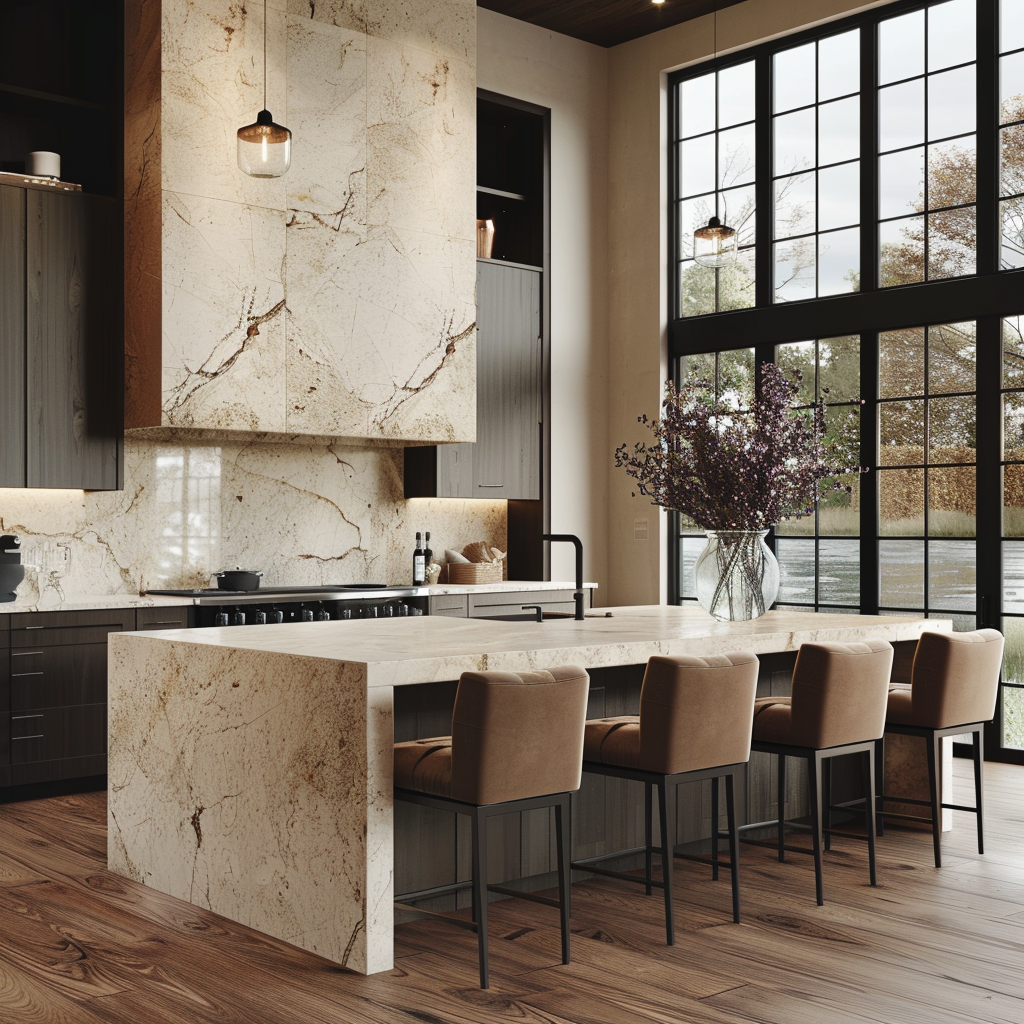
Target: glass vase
{"points": [[736, 575]]}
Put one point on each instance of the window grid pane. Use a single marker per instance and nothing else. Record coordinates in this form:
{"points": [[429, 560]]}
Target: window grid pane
{"points": [[816, 168], [716, 160], [927, 111]]}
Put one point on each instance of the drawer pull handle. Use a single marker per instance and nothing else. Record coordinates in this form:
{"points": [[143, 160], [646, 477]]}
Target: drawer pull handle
{"points": [[22, 718], [165, 622], [35, 736], [25, 654], [490, 485], [35, 627], [19, 675]]}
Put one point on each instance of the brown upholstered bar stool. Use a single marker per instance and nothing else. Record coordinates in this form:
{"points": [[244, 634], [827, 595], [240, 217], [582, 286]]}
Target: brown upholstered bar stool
{"points": [[836, 706], [694, 724], [516, 744], [953, 687]]}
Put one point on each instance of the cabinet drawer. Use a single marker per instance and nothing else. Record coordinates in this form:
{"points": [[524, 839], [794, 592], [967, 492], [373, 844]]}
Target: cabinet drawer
{"points": [[5, 631], [52, 733], [53, 677], [453, 605], [482, 606], [161, 618], [48, 629]]}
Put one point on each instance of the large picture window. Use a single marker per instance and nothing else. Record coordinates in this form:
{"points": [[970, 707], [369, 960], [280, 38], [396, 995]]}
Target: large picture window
{"points": [[884, 157]]}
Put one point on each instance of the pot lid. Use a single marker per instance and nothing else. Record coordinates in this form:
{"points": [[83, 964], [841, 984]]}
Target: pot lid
{"points": [[238, 568]]}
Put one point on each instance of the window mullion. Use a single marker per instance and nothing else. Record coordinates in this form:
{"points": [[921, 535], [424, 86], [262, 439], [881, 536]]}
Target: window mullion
{"points": [[869, 568], [763, 188], [988, 226], [869, 159]]}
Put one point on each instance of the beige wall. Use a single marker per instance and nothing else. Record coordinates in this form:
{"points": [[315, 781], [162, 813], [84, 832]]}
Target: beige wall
{"points": [[571, 79], [638, 260]]}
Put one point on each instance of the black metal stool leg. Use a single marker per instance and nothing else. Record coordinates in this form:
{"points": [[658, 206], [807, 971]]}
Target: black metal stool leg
{"points": [[814, 786], [648, 836], [869, 808], [480, 891], [734, 844], [934, 744], [781, 779], [714, 829], [879, 786], [563, 811], [826, 775], [667, 810], [979, 798]]}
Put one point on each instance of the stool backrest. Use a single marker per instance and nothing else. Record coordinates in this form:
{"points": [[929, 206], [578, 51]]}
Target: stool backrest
{"points": [[697, 712], [956, 677], [840, 692], [518, 734]]}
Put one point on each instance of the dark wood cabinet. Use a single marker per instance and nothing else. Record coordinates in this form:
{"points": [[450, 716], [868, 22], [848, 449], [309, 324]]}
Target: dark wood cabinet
{"points": [[5, 703], [61, 339], [56, 694], [504, 462]]}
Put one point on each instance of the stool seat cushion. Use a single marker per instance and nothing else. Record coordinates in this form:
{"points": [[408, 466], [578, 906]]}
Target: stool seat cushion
{"points": [[773, 720], [425, 766], [613, 741]]}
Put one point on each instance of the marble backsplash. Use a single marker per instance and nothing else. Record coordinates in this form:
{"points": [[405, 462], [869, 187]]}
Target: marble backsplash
{"points": [[303, 513]]}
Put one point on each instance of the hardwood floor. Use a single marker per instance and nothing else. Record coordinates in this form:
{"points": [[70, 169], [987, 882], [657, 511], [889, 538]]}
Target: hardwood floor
{"points": [[927, 946]]}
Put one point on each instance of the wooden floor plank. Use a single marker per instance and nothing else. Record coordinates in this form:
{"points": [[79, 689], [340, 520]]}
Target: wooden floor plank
{"points": [[79, 945]]}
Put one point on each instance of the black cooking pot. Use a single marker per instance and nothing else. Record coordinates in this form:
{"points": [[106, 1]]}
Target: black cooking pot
{"points": [[238, 579]]}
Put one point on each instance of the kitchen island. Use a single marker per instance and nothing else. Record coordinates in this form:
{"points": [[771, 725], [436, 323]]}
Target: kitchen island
{"points": [[250, 769]]}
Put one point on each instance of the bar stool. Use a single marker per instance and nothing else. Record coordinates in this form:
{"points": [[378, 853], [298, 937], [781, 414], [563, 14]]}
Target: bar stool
{"points": [[953, 688], [516, 744], [694, 723], [837, 706]]}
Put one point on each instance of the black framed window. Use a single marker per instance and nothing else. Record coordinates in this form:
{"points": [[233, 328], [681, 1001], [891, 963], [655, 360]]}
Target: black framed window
{"points": [[899, 224]]}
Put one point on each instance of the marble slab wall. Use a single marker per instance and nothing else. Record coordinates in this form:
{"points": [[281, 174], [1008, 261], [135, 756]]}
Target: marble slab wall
{"points": [[303, 513], [339, 299]]}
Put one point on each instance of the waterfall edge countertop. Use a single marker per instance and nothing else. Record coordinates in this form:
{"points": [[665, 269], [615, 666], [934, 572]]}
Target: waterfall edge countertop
{"points": [[400, 652], [250, 769]]}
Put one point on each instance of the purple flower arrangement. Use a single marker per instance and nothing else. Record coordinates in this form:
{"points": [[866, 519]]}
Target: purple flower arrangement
{"points": [[727, 467]]}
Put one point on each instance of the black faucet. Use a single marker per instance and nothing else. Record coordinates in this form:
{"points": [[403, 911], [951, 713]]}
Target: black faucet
{"points": [[578, 544]]}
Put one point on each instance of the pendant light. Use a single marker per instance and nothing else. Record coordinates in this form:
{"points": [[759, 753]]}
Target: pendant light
{"points": [[716, 244], [264, 148]]}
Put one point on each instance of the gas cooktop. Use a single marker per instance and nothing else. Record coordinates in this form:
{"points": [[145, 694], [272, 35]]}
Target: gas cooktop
{"points": [[353, 591]]}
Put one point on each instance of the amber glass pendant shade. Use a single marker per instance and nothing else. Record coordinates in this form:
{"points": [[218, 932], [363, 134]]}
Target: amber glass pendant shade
{"points": [[715, 245], [264, 148]]}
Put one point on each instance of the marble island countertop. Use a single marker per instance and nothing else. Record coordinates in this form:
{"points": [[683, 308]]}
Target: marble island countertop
{"points": [[399, 652]]}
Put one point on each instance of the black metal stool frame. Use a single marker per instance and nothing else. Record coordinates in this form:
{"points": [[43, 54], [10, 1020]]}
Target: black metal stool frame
{"points": [[479, 815], [816, 759], [933, 741], [667, 786]]}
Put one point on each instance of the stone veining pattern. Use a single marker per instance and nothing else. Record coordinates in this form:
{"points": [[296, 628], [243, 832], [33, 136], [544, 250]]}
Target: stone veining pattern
{"points": [[302, 512], [340, 299]]}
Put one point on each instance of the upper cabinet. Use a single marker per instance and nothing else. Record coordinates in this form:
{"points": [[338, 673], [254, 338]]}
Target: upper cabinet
{"points": [[61, 266], [60, 339], [506, 459]]}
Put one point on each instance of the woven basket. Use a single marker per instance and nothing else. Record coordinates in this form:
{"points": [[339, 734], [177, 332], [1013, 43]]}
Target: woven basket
{"points": [[473, 572]]}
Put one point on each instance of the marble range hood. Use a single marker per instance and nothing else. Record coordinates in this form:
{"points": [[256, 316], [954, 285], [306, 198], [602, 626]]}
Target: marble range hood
{"points": [[337, 301]]}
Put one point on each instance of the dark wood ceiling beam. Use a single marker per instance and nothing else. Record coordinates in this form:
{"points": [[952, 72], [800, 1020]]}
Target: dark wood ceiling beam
{"points": [[608, 23]]}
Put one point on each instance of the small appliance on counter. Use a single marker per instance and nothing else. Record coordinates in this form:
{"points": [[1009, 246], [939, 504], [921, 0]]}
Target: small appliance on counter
{"points": [[12, 572]]}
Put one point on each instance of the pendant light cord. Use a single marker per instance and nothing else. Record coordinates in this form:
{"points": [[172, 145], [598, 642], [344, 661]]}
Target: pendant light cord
{"points": [[265, 54]]}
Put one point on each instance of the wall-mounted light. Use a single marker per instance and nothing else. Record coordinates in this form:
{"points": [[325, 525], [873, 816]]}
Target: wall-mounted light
{"points": [[264, 148]]}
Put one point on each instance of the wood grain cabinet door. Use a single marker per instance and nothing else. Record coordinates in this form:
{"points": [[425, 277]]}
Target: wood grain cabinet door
{"points": [[73, 331], [506, 460], [12, 336]]}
